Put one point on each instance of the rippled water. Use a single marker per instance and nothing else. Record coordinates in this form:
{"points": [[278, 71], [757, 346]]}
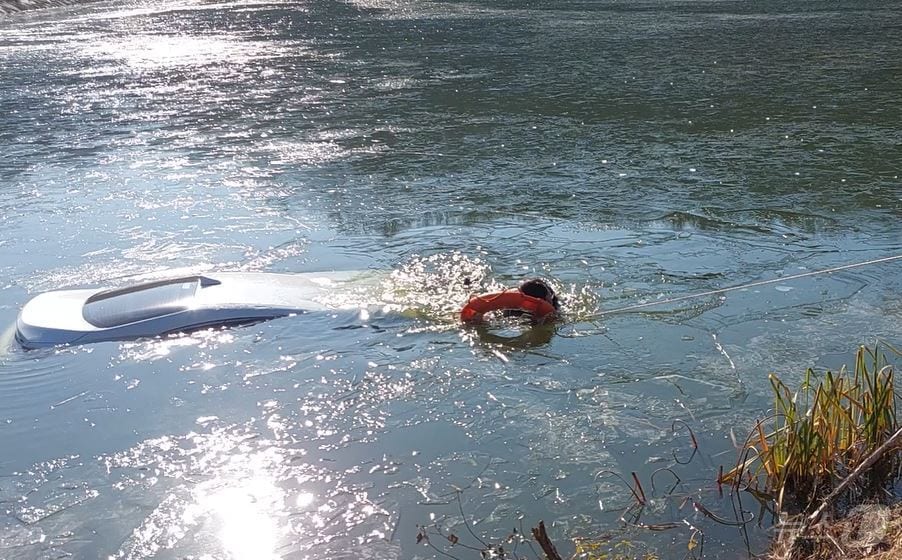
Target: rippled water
{"points": [[626, 151]]}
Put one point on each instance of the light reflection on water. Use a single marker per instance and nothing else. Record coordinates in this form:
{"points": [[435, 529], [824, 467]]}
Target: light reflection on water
{"points": [[447, 149], [371, 415], [230, 491]]}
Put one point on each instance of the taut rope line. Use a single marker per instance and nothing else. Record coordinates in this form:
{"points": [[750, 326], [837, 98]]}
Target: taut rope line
{"points": [[746, 286]]}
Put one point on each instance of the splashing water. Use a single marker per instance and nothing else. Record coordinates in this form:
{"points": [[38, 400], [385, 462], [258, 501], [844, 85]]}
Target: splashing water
{"points": [[437, 286]]}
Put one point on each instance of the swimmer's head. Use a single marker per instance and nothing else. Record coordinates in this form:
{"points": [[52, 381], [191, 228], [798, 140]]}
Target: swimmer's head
{"points": [[540, 289]]}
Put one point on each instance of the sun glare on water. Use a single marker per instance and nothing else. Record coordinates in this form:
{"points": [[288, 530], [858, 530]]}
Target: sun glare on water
{"points": [[244, 515], [247, 532]]}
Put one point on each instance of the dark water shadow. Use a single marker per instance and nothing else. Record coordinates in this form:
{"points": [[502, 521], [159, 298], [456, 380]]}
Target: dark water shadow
{"points": [[532, 337]]}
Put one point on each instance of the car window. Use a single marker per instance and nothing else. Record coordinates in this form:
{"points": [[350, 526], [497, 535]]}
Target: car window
{"points": [[113, 308]]}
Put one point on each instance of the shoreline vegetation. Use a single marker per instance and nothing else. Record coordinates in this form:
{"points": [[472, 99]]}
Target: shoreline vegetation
{"points": [[824, 463], [828, 457]]}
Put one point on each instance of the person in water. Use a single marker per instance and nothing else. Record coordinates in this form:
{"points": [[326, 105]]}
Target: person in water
{"points": [[534, 297], [540, 289]]}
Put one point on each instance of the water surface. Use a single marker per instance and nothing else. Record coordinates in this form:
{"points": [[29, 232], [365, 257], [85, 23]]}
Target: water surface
{"points": [[629, 152]]}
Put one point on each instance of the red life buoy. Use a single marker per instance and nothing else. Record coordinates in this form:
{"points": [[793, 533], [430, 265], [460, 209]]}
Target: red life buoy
{"points": [[513, 299]]}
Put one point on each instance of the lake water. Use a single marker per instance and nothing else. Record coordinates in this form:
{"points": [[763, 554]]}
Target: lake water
{"points": [[627, 151]]}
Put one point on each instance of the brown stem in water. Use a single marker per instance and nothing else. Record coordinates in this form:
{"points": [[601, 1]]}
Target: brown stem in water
{"points": [[541, 537]]}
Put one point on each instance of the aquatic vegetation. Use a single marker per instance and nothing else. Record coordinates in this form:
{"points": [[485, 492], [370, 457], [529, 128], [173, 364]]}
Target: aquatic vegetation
{"points": [[827, 459], [828, 451], [819, 434]]}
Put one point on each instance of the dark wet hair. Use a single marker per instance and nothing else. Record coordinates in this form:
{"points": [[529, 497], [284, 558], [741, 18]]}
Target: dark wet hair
{"points": [[538, 288]]}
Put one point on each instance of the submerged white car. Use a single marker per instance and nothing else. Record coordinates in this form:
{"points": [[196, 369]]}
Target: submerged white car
{"points": [[170, 306]]}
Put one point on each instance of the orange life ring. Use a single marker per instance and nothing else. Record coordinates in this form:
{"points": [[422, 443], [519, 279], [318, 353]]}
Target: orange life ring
{"points": [[512, 299]]}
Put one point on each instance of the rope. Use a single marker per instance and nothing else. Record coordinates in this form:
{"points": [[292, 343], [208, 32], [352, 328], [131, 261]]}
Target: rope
{"points": [[746, 286]]}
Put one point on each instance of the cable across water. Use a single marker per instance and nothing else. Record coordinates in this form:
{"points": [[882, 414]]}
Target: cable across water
{"points": [[747, 286]]}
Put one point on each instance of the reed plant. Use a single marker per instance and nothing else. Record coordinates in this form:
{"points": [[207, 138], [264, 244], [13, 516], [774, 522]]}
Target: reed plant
{"points": [[816, 436]]}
